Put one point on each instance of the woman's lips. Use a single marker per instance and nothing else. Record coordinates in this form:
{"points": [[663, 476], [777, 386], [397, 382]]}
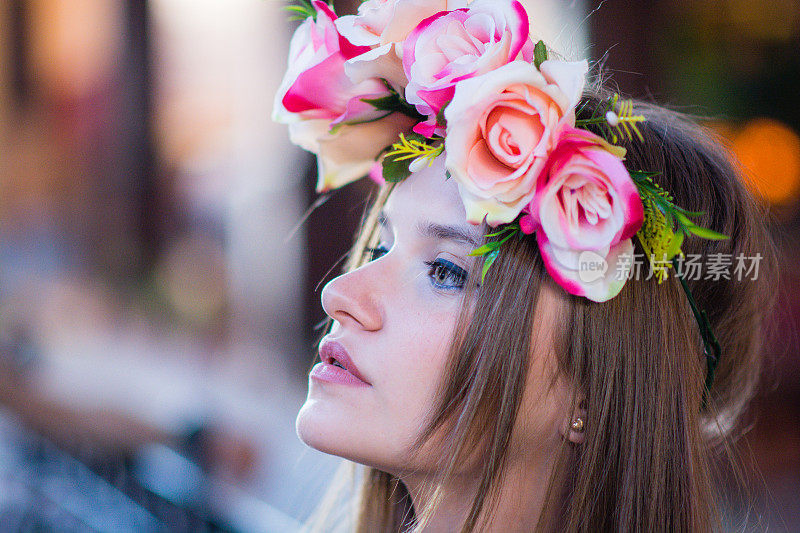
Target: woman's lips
{"points": [[330, 352]]}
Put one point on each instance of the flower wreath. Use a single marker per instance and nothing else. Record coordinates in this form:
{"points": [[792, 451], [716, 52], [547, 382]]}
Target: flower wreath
{"points": [[404, 82]]}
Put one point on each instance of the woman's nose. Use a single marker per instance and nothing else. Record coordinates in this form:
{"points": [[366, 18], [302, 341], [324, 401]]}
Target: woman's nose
{"points": [[351, 300]]}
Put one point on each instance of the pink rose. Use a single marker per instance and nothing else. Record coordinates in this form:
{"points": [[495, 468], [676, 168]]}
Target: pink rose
{"points": [[455, 45], [384, 24], [315, 84], [586, 210], [323, 105], [501, 128], [381, 22]]}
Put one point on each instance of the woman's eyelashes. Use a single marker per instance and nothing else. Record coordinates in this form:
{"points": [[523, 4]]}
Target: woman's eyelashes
{"points": [[443, 274], [446, 275], [376, 253]]}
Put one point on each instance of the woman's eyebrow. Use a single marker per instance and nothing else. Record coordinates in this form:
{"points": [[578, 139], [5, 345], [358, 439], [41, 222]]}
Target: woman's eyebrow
{"points": [[445, 232], [436, 231]]}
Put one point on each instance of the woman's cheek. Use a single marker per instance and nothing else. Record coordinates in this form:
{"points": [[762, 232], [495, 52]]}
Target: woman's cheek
{"points": [[422, 336]]}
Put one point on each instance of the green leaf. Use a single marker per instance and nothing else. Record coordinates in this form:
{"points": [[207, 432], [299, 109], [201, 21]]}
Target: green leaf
{"points": [[440, 116], [706, 233], [539, 54], [642, 175], [674, 247], [395, 103], [686, 221], [298, 9], [301, 10], [395, 171], [689, 213], [496, 233], [338, 126], [416, 137], [669, 220], [385, 103], [486, 248], [487, 263], [494, 245]]}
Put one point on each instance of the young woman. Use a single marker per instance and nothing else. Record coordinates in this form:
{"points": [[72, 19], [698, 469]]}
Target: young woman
{"points": [[496, 360]]}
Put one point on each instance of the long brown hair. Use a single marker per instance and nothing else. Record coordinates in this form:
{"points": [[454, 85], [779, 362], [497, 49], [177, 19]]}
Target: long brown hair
{"points": [[636, 361]]}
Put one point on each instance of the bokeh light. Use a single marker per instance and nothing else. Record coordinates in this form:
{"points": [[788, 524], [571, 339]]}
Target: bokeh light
{"points": [[769, 152]]}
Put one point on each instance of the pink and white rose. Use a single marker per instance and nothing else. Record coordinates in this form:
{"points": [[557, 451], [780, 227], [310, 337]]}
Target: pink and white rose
{"points": [[315, 84], [324, 107], [585, 212], [501, 128], [381, 22], [384, 25], [350, 152], [452, 46]]}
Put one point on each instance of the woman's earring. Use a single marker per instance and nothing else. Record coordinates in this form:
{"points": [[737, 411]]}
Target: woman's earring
{"points": [[577, 425]]}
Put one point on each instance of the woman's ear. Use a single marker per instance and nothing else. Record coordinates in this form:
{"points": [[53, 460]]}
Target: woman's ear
{"points": [[573, 427]]}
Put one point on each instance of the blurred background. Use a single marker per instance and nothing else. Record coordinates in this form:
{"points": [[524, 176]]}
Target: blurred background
{"points": [[160, 271]]}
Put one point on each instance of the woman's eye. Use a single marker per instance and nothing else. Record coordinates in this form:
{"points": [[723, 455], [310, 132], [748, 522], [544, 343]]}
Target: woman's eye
{"points": [[446, 275], [376, 253]]}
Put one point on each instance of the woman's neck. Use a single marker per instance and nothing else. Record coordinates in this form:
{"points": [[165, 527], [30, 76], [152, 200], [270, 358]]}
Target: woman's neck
{"points": [[519, 501]]}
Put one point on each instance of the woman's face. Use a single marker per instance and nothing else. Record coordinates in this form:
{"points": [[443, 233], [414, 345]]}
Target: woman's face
{"points": [[393, 321], [394, 316]]}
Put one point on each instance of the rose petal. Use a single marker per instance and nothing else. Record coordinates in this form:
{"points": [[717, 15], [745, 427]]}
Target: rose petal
{"points": [[315, 85], [512, 134], [376, 173], [357, 111], [486, 125], [408, 14], [569, 76], [321, 88], [380, 62], [349, 155], [451, 46], [596, 286], [626, 191], [566, 278]]}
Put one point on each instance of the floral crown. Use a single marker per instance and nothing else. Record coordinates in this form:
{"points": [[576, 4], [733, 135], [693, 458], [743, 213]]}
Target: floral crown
{"points": [[402, 83]]}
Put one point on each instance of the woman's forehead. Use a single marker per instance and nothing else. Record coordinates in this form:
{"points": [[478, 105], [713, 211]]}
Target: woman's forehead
{"points": [[430, 195]]}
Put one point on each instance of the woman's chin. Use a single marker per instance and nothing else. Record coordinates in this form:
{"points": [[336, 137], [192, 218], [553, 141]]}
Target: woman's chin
{"points": [[312, 428], [321, 426], [331, 431]]}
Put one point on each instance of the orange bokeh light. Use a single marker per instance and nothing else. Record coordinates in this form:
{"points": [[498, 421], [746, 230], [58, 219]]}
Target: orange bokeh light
{"points": [[769, 152]]}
